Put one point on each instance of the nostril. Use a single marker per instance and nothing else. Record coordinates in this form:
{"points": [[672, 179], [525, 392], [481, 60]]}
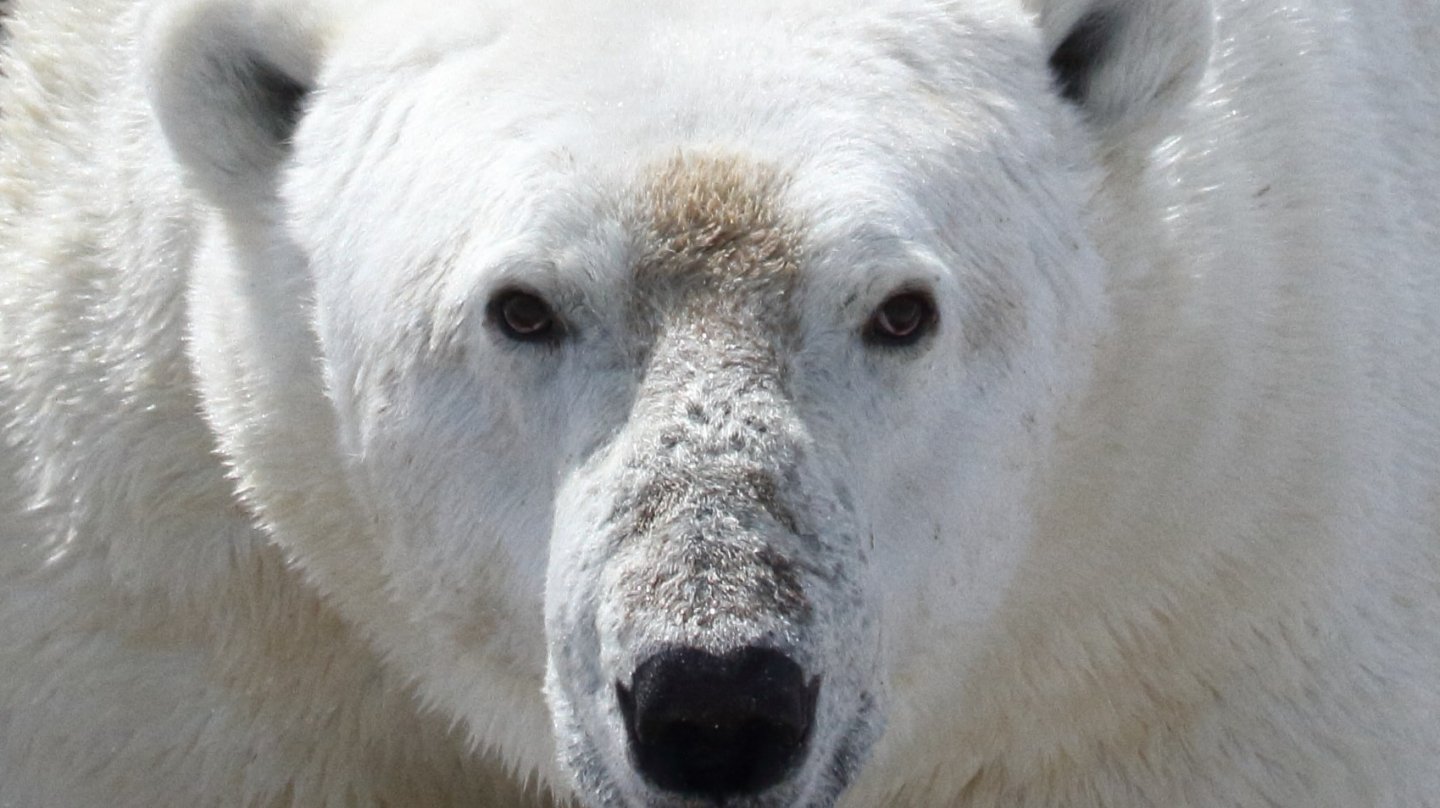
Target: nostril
{"points": [[714, 726]]}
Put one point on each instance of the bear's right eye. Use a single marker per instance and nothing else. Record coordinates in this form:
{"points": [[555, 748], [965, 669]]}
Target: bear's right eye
{"points": [[524, 316]]}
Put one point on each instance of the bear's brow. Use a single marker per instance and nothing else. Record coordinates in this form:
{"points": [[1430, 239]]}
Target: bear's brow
{"points": [[714, 225]]}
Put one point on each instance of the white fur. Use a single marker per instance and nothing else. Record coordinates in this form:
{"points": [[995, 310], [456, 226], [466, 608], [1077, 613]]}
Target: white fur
{"points": [[1153, 519]]}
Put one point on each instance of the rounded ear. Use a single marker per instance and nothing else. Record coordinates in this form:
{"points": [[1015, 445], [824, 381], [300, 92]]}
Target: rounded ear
{"points": [[228, 81], [1126, 63]]}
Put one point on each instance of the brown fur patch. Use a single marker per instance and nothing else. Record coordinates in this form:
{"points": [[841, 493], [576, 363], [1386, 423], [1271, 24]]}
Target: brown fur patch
{"points": [[715, 239], [698, 582], [662, 495]]}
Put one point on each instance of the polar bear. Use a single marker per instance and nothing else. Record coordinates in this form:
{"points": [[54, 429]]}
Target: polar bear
{"points": [[783, 404]]}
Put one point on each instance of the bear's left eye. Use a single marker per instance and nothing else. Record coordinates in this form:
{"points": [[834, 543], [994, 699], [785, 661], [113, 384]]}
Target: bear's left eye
{"points": [[901, 320], [524, 316]]}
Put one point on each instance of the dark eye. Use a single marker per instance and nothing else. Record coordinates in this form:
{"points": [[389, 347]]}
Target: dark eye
{"points": [[901, 320], [524, 316]]}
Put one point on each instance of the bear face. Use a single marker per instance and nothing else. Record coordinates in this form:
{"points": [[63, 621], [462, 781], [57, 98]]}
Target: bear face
{"points": [[649, 371]]}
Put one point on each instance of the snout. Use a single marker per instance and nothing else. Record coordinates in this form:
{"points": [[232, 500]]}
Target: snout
{"points": [[717, 726]]}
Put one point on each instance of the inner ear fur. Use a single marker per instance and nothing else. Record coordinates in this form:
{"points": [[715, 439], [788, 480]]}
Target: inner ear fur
{"points": [[1127, 64], [228, 81]]}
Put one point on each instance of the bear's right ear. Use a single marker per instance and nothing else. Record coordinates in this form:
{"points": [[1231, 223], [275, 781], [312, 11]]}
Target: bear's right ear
{"points": [[228, 80]]}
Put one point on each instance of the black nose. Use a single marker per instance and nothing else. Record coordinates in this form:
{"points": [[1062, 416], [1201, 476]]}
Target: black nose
{"points": [[717, 726]]}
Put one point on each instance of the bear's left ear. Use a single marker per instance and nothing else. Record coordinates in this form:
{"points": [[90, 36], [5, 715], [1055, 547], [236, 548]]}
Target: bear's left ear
{"points": [[228, 81], [1126, 63]]}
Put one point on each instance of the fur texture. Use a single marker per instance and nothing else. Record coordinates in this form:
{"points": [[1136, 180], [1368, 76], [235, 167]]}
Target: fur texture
{"points": [[1149, 515]]}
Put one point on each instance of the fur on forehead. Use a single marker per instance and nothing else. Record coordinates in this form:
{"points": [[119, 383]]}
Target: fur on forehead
{"points": [[713, 230]]}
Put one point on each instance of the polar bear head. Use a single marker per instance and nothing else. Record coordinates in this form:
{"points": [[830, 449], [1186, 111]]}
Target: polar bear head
{"points": [[664, 388]]}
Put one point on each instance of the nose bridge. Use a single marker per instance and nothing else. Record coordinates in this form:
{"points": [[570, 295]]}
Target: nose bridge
{"points": [[709, 518], [706, 521], [716, 392], [718, 704], [725, 432]]}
